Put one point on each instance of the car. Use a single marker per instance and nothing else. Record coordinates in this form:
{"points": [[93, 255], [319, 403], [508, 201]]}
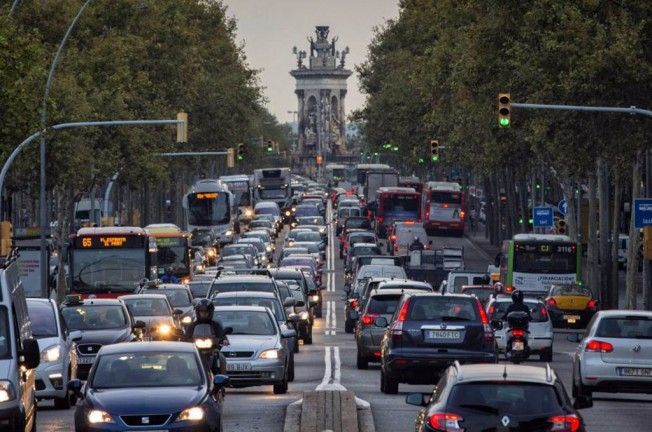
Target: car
{"points": [[487, 397], [179, 296], [404, 236], [241, 249], [352, 305], [306, 209], [150, 386], [263, 208], [482, 292], [161, 321], [240, 282], [354, 237], [101, 322], [541, 336], [321, 229], [427, 333], [311, 220], [343, 213], [391, 231], [571, 305], [260, 234], [303, 261], [294, 250], [306, 235], [359, 249], [291, 236], [313, 249], [256, 353], [265, 251], [58, 352], [615, 354], [273, 303], [457, 279], [263, 225], [358, 261], [300, 311], [308, 286], [360, 222], [200, 288], [238, 261], [379, 271]]}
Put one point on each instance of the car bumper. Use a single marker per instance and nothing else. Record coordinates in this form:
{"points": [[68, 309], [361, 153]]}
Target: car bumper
{"points": [[262, 372], [367, 348], [564, 318], [51, 381], [453, 226], [9, 414], [208, 425], [606, 377], [424, 367]]}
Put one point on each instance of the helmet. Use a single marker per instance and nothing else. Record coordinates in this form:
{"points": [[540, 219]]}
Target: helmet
{"points": [[204, 311], [517, 296], [416, 238], [498, 287]]}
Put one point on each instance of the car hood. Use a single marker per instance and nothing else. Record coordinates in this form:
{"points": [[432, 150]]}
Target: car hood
{"points": [[43, 343], [151, 321], [145, 401], [105, 337], [249, 343]]}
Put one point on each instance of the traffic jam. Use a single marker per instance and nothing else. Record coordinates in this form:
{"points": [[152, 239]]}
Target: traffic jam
{"points": [[162, 325]]}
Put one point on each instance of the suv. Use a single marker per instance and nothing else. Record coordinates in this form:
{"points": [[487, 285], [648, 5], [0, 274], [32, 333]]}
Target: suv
{"points": [[498, 397], [427, 333]]}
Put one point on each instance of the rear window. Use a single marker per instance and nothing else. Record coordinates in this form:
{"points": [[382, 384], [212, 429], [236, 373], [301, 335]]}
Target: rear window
{"points": [[362, 238], [243, 286], [503, 398], [631, 327], [443, 309], [200, 289], [366, 250], [271, 304], [405, 236], [383, 305], [537, 310], [358, 223]]}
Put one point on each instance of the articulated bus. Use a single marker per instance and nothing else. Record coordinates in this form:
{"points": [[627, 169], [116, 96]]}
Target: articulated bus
{"points": [[174, 250], [396, 204], [108, 262], [533, 262], [209, 206], [444, 207]]}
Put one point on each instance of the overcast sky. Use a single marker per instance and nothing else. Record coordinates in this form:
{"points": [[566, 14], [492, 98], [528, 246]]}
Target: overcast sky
{"points": [[270, 28]]}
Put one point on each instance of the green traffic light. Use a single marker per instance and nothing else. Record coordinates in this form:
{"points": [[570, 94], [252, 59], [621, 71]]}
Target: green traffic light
{"points": [[504, 122], [421, 160], [538, 186], [530, 221], [395, 148], [240, 157], [269, 149], [435, 158], [375, 153]]}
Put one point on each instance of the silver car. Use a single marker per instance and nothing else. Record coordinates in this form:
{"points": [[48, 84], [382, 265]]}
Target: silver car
{"points": [[541, 330], [615, 355], [58, 354], [155, 311], [179, 296], [256, 354]]}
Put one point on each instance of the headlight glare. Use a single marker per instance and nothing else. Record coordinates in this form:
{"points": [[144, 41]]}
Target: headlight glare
{"points": [[228, 233], [99, 416], [268, 248], [191, 414], [186, 320], [269, 354], [314, 298], [164, 329], [304, 315], [51, 354], [7, 392], [204, 343]]}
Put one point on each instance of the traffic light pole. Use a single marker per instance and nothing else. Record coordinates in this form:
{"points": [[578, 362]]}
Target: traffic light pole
{"points": [[630, 110]]}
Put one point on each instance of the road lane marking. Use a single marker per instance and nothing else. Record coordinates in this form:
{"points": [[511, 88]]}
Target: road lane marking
{"points": [[332, 370], [330, 326]]}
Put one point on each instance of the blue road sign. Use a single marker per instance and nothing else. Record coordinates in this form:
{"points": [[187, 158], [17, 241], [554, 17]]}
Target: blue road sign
{"points": [[563, 207], [642, 212], [542, 217]]}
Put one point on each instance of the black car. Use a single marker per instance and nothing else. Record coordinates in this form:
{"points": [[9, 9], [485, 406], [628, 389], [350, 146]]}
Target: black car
{"points": [[427, 333], [150, 386], [102, 322], [307, 284], [498, 397]]}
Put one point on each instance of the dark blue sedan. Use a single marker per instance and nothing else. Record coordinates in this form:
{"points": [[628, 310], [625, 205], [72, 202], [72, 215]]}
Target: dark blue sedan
{"points": [[150, 386]]}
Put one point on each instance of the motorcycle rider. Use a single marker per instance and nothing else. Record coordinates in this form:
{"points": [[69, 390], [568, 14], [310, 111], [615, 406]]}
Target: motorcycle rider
{"points": [[204, 315], [416, 245], [169, 276], [517, 305]]}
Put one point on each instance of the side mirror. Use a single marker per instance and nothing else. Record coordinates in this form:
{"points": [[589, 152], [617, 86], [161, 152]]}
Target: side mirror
{"points": [[285, 334], [74, 336], [381, 322], [30, 355], [289, 302], [75, 386], [574, 337], [582, 402], [178, 312], [496, 324], [228, 330], [220, 381], [417, 399]]}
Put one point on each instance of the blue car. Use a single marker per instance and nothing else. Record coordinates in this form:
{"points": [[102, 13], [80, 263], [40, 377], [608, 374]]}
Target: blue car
{"points": [[149, 386]]}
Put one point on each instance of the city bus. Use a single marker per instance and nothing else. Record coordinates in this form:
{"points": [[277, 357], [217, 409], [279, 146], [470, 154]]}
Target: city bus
{"points": [[396, 204], [240, 186], [174, 250], [273, 184], [444, 207], [411, 182], [334, 173], [107, 262], [533, 262], [209, 206]]}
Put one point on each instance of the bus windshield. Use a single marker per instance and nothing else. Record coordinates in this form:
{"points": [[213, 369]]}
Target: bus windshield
{"points": [[208, 209], [119, 270], [545, 258], [240, 191], [445, 197], [173, 253], [400, 205]]}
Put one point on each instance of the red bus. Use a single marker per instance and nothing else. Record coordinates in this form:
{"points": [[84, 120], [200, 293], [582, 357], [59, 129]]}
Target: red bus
{"points": [[108, 262], [445, 207], [396, 204]]}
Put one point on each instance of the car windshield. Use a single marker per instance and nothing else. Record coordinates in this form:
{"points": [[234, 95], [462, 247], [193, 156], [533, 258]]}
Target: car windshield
{"points": [[383, 304], [42, 319], [94, 317], [257, 243], [308, 236], [625, 327], [260, 224], [270, 210], [538, 311], [381, 271], [270, 303], [148, 306], [236, 250], [503, 398], [243, 286], [294, 251], [311, 247], [147, 369], [258, 234], [310, 220], [570, 290], [176, 297], [200, 289], [297, 262], [344, 212], [362, 238], [306, 210], [246, 322], [358, 223], [443, 309]]}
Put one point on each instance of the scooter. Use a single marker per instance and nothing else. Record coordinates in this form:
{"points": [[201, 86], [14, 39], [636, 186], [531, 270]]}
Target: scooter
{"points": [[210, 347], [517, 349]]}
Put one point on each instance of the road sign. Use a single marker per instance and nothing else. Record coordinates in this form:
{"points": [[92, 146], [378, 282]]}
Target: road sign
{"points": [[542, 217], [563, 207], [642, 212]]}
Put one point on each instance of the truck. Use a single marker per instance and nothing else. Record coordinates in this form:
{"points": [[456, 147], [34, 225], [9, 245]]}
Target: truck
{"points": [[273, 184], [377, 179]]}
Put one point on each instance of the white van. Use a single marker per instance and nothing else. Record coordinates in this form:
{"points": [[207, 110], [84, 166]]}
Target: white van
{"points": [[19, 353], [457, 279]]}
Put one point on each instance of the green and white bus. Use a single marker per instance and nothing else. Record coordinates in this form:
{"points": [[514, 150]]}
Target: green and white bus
{"points": [[533, 262]]}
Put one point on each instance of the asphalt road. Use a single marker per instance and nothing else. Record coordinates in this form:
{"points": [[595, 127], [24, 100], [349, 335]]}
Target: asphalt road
{"points": [[330, 363]]}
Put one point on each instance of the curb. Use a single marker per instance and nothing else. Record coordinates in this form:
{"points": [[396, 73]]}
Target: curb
{"points": [[293, 417], [365, 416]]}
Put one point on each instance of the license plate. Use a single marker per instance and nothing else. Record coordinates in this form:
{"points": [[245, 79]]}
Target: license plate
{"points": [[238, 367], [518, 346], [443, 334], [85, 360], [644, 372], [572, 319]]}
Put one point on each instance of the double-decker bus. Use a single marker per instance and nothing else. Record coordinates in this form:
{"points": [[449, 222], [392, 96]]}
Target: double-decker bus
{"points": [[209, 205], [174, 250], [396, 204], [240, 186], [273, 184], [108, 262], [444, 207], [533, 262]]}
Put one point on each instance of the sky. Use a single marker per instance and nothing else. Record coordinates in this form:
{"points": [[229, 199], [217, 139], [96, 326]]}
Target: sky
{"points": [[270, 28]]}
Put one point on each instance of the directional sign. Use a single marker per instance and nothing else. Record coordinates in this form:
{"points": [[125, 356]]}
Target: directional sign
{"points": [[563, 207], [542, 217], [642, 212]]}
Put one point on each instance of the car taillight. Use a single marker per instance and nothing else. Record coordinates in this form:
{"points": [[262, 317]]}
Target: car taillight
{"points": [[544, 312], [396, 329], [447, 422], [492, 310], [353, 303], [565, 423], [552, 303], [592, 304], [380, 219], [488, 332], [392, 237], [599, 346], [518, 333], [368, 319]]}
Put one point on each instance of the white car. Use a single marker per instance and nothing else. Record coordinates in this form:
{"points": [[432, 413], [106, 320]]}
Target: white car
{"points": [[58, 353], [541, 331], [615, 354]]}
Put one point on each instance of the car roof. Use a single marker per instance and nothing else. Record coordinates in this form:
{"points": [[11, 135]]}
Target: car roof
{"points": [[230, 294], [127, 347], [94, 302], [365, 245], [399, 282], [508, 299], [170, 286], [391, 291], [437, 294], [144, 295], [286, 272], [505, 371], [241, 308], [243, 278], [624, 312]]}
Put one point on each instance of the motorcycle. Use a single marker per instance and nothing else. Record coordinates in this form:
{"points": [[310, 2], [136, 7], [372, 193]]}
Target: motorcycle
{"points": [[517, 349], [210, 347]]}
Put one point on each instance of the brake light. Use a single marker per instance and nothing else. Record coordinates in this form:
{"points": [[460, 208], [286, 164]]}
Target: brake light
{"points": [[380, 219], [518, 333], [552, 303], [447, 422], [592, 304], [509, 289], [368, 319], [488, 332], [544, 312], [565, 423], [492, 310], [445, 205], [402, 314], [353, 303], [599, 346], [397, 326], [392, 237], [462, 213]]}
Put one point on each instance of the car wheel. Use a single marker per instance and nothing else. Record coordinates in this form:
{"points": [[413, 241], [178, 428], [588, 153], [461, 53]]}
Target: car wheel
{"points": [[546, 355], [281, 388], [348, 326], [291, 369], [62, 403], [296, 346], [580, 389], [361, 362], [388, 385], [341, 254], [307, 339]]}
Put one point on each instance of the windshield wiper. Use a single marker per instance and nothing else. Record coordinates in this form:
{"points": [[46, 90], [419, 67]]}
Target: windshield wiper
{"points": [[482, 408]]}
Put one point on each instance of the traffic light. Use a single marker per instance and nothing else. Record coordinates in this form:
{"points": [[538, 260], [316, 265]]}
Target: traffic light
{"points": [[241, 151], [182, 127], [561, 226], [504, 109], [434, 150], [270, 146]]}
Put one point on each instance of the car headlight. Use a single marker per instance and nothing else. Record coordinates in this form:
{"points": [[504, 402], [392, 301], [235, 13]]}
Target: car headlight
{"points": [[314, 298], [191, 414], [186, 320], [51, 354], [98, 416], [291, 242], [268, 248], [272, 354], [7, 392], [288, 213], [304, 315], [263, 258], [322, 230], [249, 213], [211, 252], [294, 209], [204, 343], [228, 233], [164, 329]]}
